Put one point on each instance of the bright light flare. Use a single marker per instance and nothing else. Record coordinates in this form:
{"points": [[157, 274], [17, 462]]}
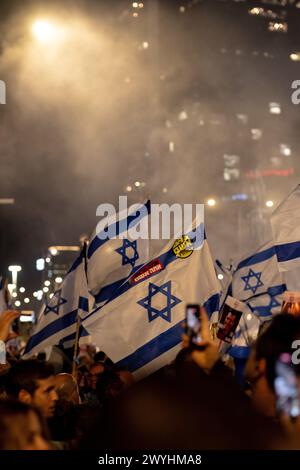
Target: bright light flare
{"points": [[45, 31], [211, 202], [269, 203]]}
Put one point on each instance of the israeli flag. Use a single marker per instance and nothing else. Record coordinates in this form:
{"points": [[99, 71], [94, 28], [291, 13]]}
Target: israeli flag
{"points": [[226, 285], [257, 282], [114, 253], [140, 328], [3, 303], [245, 334], [58, 322], [285, 222]]}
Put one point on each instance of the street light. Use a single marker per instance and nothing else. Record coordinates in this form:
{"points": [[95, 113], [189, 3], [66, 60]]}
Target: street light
{"points": [[211, 202], [11, 288], [39, 295], [14, 269], [7, 200], [40, 264], [45, 31]]}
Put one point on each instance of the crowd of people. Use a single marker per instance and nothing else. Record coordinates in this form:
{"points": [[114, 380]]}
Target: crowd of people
{"points": [[193, 403]]}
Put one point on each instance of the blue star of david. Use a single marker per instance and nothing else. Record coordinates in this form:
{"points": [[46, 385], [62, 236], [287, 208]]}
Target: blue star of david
{"points": [[54, 307], [164, 313], [122, 251], [247, 280]]}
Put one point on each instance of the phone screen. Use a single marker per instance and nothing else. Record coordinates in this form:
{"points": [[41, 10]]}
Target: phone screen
{"points": [[286, 387], [193, 323]]}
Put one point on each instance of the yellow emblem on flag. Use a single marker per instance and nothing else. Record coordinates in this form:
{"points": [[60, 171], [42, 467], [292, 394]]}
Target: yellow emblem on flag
{"points": [[183, 247]]}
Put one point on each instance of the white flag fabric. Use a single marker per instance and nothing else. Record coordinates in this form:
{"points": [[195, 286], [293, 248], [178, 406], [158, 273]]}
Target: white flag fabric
{"points": [[245, 334], [3, 303], [226, 285], [58, 322], [285, 222], [257, 282], [140, 328], [111, 260]]}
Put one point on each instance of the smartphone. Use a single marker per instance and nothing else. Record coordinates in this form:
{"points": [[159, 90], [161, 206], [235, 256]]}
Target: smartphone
{"points": [[193, 323], [15, 326], [286, 387], [26, 316]]}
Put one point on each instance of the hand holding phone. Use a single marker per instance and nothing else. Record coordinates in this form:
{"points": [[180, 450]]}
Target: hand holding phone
{"points": [[193, 324], [286, 388], [6, 320], [205, 350]]}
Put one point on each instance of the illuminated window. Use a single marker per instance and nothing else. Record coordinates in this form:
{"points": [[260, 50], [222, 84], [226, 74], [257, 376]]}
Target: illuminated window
{"points": [[231, 174], [274, 108]]}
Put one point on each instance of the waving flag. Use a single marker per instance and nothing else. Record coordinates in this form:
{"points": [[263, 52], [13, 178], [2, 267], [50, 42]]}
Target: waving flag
{"points": [[58, 322], [257, 282], [285, 222], [3, 303], [140, 328], [110, 260], [245, 334]]}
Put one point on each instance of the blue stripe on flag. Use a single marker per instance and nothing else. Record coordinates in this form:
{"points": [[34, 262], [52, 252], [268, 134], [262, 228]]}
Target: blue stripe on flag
{"points": [[76, 263], [72, 336], [212, 304], [257, 258], [165, 259], [272, 291], [83, 304], [154, 348], [160, 344], [239, 352], [84, 332], [277, 290], [118, 228], [67, 338], [288, 251], [106, 292], [51, 329]]}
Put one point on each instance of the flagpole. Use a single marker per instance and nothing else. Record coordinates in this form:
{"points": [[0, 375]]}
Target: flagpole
{"points": [[74, 367]]}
